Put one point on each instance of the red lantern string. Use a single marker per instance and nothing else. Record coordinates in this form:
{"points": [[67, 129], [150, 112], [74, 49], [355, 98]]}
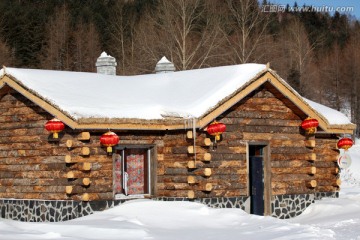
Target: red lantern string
{"points": [[216, 129], [345, 143], [54, 126], [310, 125], [109, 140]]}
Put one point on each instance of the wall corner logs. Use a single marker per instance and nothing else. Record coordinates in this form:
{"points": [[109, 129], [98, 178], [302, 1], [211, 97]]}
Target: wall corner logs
{"points": [[199, 168], [81, 164]]}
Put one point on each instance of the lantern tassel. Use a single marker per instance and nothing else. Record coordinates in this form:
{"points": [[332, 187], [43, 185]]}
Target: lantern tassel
{"points": [[109, 149], [55, 135]]}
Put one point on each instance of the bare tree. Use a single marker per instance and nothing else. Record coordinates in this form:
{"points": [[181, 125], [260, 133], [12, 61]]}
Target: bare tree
{"points": [[352, 74], [55, 52], [187, 31], [124, 19], [298, 56], [86, 47], [246, 32]]}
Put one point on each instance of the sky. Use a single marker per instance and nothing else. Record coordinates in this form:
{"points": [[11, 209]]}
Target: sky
{"points": [[327, 5]]}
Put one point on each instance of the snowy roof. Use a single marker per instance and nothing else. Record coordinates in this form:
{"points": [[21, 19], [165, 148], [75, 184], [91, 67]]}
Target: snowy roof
{"points": [[182, 94], [153, 96]]}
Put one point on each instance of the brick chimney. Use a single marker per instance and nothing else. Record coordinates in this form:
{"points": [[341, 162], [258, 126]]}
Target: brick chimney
{"points": [[106, 64], [164, 66]]}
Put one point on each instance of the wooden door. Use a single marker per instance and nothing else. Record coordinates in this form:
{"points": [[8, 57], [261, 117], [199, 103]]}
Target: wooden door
{"points": [[131, 171], [136, 170], [256, 185]]}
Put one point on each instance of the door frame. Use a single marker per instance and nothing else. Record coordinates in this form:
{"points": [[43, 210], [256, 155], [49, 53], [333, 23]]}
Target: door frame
{"points": [[266, 173], [151, 165]]}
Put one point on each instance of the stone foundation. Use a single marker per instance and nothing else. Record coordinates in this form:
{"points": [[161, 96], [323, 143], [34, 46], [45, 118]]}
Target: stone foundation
{"points": [[50, 210], [282, 206], [232, 202], [289, 206]]}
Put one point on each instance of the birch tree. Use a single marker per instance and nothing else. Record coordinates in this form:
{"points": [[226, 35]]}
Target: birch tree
{"points": [[186, 31], [246, 32]]}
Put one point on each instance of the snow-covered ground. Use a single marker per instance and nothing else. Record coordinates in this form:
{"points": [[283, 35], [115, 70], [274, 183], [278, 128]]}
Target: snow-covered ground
{"points": [[145, 219]]}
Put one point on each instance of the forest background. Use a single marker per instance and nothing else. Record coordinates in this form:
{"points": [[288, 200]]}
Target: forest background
{"points": [[317, 53]]}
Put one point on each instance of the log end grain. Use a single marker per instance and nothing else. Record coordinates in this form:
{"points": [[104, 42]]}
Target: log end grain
{"points": [[83, 136], [191, 194], [311, 184], [85, 197]]}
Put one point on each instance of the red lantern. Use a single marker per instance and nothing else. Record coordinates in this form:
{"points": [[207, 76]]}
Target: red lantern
{"points": [[54, 126], [216, 129], [310, 125], [108, 140], [345, 143]]}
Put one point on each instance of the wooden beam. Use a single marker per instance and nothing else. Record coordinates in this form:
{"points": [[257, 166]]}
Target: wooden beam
{"points": [[191, 179], [84, 136], [310, 143], [85, 197], [85, 151], [86, 166], [206, 172], [189, 134], [69, 143], [70, 175], [294, 170], [68, 159], [200, 140], [311, 184], [191, 194], [190, 150], [191, 165], [207, 187], [337, 183], [86, 181], [206, 157]]}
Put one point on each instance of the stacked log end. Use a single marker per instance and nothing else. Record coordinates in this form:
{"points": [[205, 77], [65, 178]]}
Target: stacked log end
{"points": [[79, 160], [198, 170]]}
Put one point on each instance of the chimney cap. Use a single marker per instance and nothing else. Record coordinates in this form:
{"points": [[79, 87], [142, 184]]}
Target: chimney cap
{"points": [[106, 64], [164, 66]]}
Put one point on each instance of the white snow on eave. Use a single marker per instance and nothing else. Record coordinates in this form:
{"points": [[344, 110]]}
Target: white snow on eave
{"points": [[332, 116], [153, 96]]}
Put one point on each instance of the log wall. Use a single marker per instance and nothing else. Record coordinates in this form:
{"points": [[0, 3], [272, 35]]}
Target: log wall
{"points": [[299, 163], [34, 166]]}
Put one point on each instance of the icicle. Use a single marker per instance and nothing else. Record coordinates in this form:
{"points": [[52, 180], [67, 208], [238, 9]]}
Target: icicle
{"points": [[194, 137]]}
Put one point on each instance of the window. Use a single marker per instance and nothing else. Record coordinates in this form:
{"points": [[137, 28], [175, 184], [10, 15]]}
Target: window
{"points": [[132, 171]]}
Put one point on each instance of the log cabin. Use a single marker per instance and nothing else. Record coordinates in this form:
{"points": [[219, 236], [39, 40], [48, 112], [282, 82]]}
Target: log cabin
{"points": [[157, 136]]}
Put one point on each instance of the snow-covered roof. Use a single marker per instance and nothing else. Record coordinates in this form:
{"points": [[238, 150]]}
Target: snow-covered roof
{"points": [[333, 117], [182, 94], [152, 96]]}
